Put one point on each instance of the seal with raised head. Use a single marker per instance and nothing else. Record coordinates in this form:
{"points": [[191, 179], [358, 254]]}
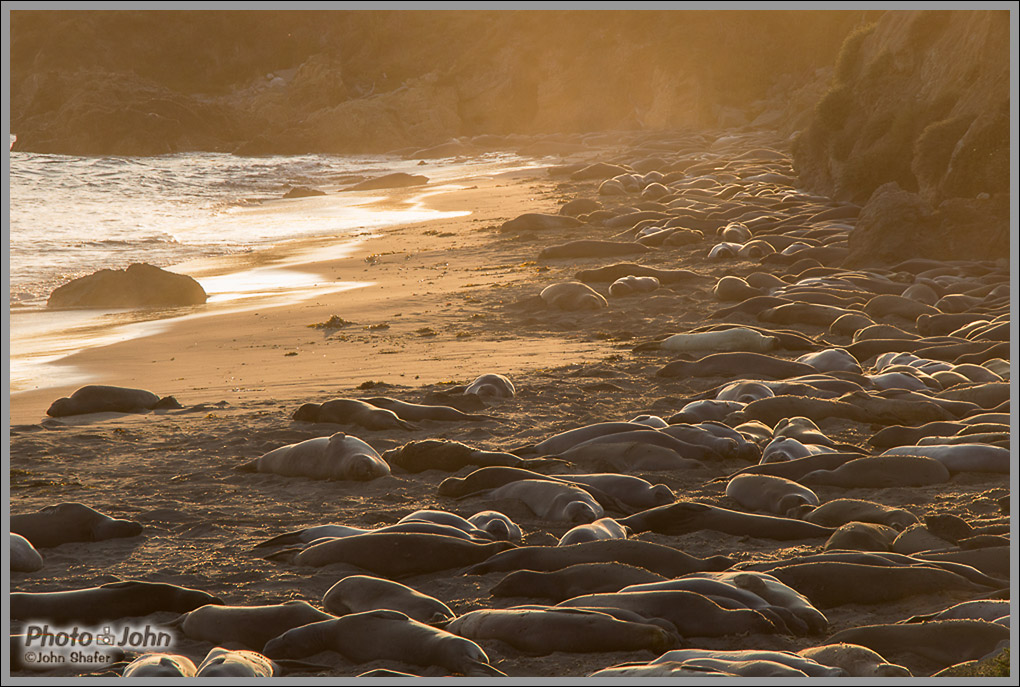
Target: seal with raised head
{"points": [[250, 626], [127, 599], [384, 634], [348, 411], [337, 457], [491, 385], [357, 593], [70, 522]]}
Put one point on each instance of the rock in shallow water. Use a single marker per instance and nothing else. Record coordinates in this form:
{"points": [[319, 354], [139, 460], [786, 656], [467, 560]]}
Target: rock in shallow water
{"points": [[139, 286]]}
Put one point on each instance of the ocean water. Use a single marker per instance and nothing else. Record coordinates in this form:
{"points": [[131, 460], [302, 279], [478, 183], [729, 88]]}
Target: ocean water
{"points": [[70, 216]]}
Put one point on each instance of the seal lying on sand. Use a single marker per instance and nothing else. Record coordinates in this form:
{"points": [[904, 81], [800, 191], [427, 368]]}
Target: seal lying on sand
{"points": [[249, 626], [384, 634], [357, 593], [348, 411], [70, 522], [338, 457], [24, 557], [111, 601], [220, 662], [107, 399]]}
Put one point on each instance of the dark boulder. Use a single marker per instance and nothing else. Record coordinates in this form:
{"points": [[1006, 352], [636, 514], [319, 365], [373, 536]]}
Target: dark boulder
{"points": [[139, 286]]}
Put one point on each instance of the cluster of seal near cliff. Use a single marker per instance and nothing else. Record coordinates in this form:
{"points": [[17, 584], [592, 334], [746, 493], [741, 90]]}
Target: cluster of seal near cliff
{"points": [[816, 381]]}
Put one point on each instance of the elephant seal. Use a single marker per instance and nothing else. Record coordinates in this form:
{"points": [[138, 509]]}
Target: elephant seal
{"points": [[536, 221], [337, 457], [611, 273], [807, 666], [693, 614], [960, 457], [944, 642], [854, 660], [108, 399], [673, 669], [745, 392], [249, 626], [357, 593], [348, 411], [603, 528], [657, 558], [384, 634], [552, 500], [500, 526], [544, 630], [160, 665], [629, 285], [785, 449], [416, 412], [875, 472], [592, 248], [113, 601], [443, 454], [314, 534], [447, 518], [24, 557], [573, 295], [220, 662], [736, 365], [630, 490], [831, 360], [828, 583], [775, 495], [803, 430], [736, 339], [861, 536], [573, 580], [989, 610], [491, 384], [566, 440], [70, 522], [399, 554], [764, 586], [688, 516]]}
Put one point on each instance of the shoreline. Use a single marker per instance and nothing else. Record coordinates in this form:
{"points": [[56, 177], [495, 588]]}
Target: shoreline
{"points": [[355, 277]]}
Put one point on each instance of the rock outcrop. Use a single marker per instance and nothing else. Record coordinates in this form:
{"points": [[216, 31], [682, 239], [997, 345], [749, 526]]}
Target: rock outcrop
{"points": [[139, 286], [919, 100]]}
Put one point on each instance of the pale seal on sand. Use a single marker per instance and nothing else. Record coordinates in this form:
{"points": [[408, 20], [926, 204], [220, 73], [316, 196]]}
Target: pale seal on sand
{"points": [[960, 457], [348, 411], [491, 384], [337, 457], [720, 340], [603, 528], [500, 526], [107, 399], [831, 360], [626, 286], [160, 665], [552, 500], [250, 626], [854, 660], [109, 602], [775, 495], [841, 511], [70, 522], [544, 630], [24, 557], [220, 662], [384, 634], [573, 296], [357, 593]]}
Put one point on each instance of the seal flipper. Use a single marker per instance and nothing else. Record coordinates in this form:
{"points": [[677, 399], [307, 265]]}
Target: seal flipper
{"points": [[475, 668]]}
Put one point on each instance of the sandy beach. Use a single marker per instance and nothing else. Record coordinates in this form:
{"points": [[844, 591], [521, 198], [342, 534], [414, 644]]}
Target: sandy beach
{"points": [[430, 306]]}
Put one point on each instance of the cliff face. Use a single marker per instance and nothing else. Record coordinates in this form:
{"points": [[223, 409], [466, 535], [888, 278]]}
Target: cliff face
{"points": [[153, 82], [917, 115]]}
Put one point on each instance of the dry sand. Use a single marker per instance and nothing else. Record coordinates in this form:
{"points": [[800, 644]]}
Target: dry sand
{"points": [[449, 301]]}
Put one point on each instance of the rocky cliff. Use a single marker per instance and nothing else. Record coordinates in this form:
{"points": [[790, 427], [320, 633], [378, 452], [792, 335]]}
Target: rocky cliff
{"points": [[288, 82], [916, 123]]}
